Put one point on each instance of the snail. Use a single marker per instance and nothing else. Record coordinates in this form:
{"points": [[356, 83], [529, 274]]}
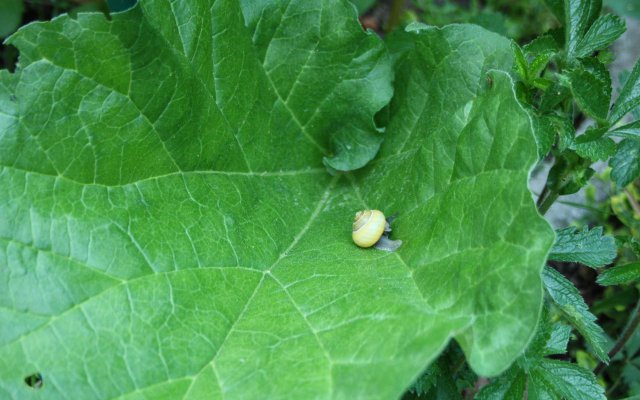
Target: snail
{"points": [[371, 228]]}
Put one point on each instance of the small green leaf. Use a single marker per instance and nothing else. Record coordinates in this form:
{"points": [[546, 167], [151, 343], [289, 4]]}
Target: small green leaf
{"points": [[537, 347], [540, 62], [599, 149], [588, 247], [591, 87], [558, 340], [545, 131], [604, 31], [10, 16], [509, 386], [554, 379], [542, 83], [620, 274], [553, 96], [597, 68], [564, 129], [569, 174], [625, 164], [575, 311], [632, 244], [606, 56], [427, 380], [631, 130], [629, 96], [521, 66], [579, 15], [541, 44], [437, 382], [550, 338]]}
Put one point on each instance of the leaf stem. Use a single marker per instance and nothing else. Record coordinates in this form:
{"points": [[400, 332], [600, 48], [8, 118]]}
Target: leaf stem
{"points": [[547, 202], [634, 321], [397, 6], [543, 194]]}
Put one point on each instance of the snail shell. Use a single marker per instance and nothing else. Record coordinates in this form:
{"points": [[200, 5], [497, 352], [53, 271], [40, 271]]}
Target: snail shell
{"points": [[368, 227]]}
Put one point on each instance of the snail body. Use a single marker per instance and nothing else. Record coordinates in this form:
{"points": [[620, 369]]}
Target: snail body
{"points": [[368, 227]]}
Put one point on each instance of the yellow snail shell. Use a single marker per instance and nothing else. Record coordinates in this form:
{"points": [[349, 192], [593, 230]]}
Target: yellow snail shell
{"points": [[368, 227]]}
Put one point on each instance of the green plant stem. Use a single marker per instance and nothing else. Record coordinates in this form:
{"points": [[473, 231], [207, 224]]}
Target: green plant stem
{"points": [[634, 321], [542, 195], [546, 202], [397, 6]]}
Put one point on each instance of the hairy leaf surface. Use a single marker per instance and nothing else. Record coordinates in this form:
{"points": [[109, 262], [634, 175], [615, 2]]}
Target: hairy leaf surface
{"points": [[555, 379], [629, 98], [604, 31], [588, 247], [576, 311], [579, 15], [625, 164], [591, 87], [535, 376], [620, 274], [169, 230]]}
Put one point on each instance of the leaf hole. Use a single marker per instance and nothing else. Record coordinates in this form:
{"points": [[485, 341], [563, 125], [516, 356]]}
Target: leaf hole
{"points": [[34, 380]]}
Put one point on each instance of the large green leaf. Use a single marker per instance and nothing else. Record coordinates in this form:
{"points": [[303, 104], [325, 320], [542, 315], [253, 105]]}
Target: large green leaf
{"points": [[458, 138], [169, 230]]}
